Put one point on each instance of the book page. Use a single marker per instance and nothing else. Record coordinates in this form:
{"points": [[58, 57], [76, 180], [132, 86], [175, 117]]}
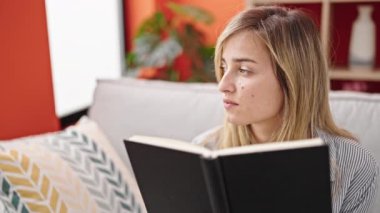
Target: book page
{"points": [[268, 147], [196, 149]]}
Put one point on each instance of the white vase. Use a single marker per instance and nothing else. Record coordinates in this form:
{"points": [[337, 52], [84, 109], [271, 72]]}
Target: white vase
{"points": [[363, 40]]}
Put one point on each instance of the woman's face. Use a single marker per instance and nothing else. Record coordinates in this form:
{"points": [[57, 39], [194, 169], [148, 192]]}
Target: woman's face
{"points": [[252, 94]]}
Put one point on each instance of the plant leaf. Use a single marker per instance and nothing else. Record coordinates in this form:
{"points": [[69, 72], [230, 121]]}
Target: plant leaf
{"points": [[193, 12], [153, 25], [151, 51]]}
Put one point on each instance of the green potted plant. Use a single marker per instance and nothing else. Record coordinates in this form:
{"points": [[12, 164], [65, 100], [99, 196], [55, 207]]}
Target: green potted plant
{"points": [[169, 46]]}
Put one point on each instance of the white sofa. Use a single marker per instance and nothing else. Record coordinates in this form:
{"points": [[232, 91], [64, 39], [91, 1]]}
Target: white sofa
{"points": [[182, 111]]}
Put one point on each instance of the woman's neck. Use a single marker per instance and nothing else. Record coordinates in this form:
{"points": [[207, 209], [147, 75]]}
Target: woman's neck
{"points": [[263, 132]]}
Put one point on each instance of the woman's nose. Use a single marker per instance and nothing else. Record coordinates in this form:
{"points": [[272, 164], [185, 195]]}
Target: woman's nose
{"points": [[226, 84]]}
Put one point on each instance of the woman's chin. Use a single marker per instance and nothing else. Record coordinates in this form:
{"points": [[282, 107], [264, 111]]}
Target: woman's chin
{"points": [[236, 121]]}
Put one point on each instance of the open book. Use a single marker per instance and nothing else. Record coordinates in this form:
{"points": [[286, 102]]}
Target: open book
{"points": [[176, 176]]}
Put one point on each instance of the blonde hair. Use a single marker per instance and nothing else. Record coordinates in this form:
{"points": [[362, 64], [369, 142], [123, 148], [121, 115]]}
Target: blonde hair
{"points": [[293, 42]]}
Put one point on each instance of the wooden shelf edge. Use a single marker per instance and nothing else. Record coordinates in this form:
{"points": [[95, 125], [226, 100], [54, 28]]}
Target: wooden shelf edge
{"points": [[284, 1], [352, 1], [358, 75]]}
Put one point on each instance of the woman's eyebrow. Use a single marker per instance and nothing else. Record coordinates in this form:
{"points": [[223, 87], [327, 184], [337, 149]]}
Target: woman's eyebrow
{"points": [[241, 60]]}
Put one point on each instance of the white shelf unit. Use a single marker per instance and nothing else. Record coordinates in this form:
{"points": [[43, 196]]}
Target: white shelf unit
{"points": [[336, 73]]}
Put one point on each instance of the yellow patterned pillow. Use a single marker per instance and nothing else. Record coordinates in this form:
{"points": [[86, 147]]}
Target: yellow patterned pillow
{"points": [[65, 172]]}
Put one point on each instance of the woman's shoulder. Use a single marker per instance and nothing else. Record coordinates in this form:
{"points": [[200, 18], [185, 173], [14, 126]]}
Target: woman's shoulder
{"points": [[354, 173], [348, 150], [354, 161]]}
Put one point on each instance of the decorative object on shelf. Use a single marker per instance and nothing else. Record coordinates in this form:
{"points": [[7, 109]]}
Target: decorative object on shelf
{"points": [[169, 46], [363, 40]]}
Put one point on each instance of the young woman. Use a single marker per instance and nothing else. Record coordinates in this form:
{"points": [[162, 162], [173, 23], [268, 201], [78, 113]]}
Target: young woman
{"points": [[273, 77]]}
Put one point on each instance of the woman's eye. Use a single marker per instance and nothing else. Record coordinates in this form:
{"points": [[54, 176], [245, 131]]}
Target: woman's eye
{"points": [[241, 70]]}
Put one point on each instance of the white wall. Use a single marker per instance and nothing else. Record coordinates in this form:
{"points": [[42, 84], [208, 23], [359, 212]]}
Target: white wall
{"points": [[86, 43]]}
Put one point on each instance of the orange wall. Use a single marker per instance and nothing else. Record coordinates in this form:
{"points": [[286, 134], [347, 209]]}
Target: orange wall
{"points": [[222, 10], [26, 93]]}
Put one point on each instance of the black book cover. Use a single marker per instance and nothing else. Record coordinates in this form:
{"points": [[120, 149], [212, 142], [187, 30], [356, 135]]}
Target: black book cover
{"points": [[181, 177]]}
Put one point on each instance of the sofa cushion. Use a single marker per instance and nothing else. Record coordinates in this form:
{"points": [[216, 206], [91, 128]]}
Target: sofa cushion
{"points": [[360, 114], [126, 107], [75, 170]]}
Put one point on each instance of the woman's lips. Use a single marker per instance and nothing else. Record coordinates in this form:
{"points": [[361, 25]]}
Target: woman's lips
{"points": [[228, 104]]}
